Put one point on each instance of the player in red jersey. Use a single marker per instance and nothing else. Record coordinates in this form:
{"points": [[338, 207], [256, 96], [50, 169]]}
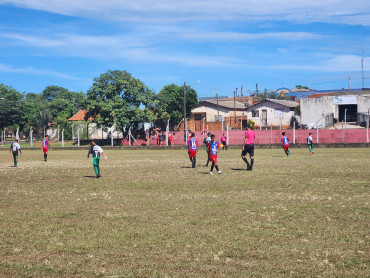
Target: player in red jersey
{"points": [[213, 149], [285, 141], [193, 149], [45, 147]]}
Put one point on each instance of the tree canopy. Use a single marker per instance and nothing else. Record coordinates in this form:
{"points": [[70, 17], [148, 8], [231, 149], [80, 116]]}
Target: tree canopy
{"points": [[171, 102], [116, 97], [10, 103]]}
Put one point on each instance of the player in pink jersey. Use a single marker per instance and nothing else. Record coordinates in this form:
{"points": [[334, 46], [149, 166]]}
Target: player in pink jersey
{"points": [[193, 149], [249, 147]]}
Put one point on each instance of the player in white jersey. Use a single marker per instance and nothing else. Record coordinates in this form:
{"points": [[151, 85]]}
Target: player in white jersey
{"points": [[96, 151], [15, 148]]}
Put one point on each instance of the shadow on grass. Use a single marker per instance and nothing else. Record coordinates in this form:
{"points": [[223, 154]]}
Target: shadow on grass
{"points": [[238, 169], [91, 177], [187, 167]]}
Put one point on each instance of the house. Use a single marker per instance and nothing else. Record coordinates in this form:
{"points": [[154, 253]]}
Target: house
{"points": [[325, 109], [87, 129], [272, 112], [217, 115]]}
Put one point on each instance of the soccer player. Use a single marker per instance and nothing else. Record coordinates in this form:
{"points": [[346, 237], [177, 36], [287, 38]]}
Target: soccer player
{"points": [[248, 147], [96, 151], [206, 142], [45, 147], [223, 141], [213, 149], [14, 147], [285, 141], [193, 149], [310, 143]]}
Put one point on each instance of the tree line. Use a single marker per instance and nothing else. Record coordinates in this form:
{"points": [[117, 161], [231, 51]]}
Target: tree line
{"points": [[115, 98]]}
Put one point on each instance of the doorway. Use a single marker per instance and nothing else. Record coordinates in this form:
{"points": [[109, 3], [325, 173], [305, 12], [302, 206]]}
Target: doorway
{"points": [[350, 114]]}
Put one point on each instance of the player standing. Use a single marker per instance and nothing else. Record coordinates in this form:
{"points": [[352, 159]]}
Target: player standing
{"points": [[249, 147], [223, 141], [96, 151], [14, 148], [285, 141], [206, 142], [193, 149], [213, 149], [45, 147], [310, 143]]}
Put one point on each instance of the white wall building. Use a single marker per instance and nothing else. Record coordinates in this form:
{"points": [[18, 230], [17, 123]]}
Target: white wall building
{"points": [[272, 112], [324, 110]]}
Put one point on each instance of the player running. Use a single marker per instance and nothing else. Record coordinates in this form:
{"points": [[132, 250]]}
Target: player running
{"points": [[248, 147], [45, 147], [96, 151], [285, 141], [193, 149], [310, 143], [213, 149], [14, 148]]}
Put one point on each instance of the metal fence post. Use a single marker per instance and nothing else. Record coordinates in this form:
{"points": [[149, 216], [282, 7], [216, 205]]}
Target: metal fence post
{"points": [[78, 137], [317, 133], [31, 137], [227, 135], [63, 138], [294, 133], [271, 134], [342, 133]]}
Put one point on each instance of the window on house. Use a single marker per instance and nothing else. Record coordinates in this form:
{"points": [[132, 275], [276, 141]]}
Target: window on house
{"points": [[255, 113], [197, 117]]}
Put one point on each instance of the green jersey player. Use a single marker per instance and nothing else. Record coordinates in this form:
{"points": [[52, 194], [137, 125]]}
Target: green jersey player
{"points": [[96, 151], [15, 148]]}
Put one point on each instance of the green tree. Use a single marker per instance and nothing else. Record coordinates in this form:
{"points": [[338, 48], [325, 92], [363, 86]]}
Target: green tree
{"points": [[171, 103], [118, 98], [10, 106]]}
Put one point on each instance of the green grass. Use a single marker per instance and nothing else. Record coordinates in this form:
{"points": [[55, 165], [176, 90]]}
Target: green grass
{"points": [[151, 215]]}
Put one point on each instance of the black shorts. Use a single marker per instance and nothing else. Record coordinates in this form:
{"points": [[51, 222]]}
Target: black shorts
{"points": [[248, 149], [223, 143]]}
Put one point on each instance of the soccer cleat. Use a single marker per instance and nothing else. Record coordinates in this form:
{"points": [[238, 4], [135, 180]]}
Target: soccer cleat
{"points": [[219, 172], [211, 173]]}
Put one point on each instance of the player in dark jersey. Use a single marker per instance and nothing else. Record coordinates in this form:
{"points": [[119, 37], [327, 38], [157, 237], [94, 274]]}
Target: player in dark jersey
{"points": [[285, 141], [45, 147], [248, 147], [193, 149], [96, 151], [206, 143], [14, 148], [213, 149]]}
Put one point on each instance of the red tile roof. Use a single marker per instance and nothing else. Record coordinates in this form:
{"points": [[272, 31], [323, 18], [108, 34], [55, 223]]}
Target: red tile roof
{"points": [[80, 116]]}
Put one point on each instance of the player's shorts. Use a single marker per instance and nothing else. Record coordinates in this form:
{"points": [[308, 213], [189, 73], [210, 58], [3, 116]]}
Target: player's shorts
{"points": [[310, 146], [286, 147], [15, 155], [45, 150], [192, 153], [212, 157], [248, 148], [223, 143], [96, 161]]}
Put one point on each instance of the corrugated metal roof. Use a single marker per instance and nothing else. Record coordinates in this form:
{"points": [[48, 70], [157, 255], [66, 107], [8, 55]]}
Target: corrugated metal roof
{"points": [[223, 103]]}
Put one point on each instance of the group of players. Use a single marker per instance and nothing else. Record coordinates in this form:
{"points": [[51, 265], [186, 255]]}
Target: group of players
{"points": [[212, 148]]}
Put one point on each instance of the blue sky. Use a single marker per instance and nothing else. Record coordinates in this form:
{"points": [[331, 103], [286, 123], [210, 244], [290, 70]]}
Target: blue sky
{"points": [[223, 44]]}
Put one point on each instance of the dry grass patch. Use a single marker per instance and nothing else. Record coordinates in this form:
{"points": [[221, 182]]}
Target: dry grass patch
{"points": [[150, 215]]}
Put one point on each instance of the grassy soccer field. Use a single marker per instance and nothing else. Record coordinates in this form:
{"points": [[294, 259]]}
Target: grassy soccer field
{"points": [[151, 215]]}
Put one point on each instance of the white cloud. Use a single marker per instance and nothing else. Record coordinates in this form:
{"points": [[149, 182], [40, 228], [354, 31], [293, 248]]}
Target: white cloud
{"points": [[233, 36], [331, 11], [34, 71], [339, 63]]}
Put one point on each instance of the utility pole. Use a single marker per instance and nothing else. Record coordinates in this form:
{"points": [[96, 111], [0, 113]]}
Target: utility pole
{"points": [[241, 91], [234, 112], [185, 125], [236, 92], [256, 88], [218, 110]]}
